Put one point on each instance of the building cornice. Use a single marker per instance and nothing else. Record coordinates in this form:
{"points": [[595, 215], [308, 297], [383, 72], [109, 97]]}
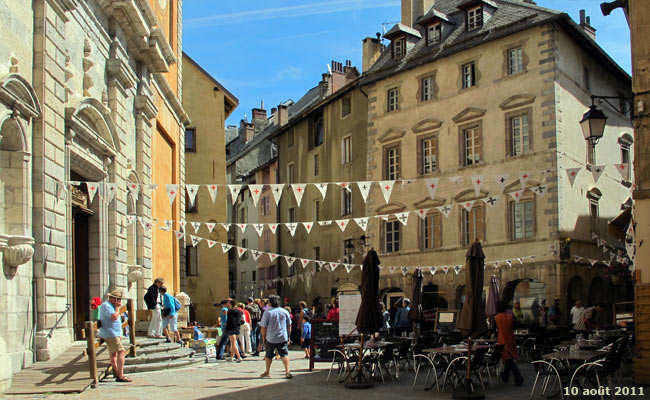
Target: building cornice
{"points": [[171, 98]]}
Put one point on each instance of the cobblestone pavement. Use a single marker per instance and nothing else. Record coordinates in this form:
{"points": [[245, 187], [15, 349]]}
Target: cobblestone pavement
{"points": [[225, 380]]}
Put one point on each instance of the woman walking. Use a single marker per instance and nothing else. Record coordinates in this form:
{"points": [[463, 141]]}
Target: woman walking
{"points": [[505, 327], [233, 324]]}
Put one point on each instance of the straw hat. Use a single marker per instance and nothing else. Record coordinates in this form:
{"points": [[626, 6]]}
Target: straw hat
{"points": [[117, 293]]}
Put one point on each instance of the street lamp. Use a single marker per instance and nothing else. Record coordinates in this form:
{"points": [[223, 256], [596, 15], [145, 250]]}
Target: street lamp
{"points": [[594, 120]]}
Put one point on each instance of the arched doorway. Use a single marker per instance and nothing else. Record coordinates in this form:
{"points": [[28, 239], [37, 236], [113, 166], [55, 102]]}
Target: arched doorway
{"points": [[392, 297], [530, 294], [575, 291]]}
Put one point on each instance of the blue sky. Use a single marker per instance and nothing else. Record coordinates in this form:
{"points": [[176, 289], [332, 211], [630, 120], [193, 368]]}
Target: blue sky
{"points": [[274, 50]]}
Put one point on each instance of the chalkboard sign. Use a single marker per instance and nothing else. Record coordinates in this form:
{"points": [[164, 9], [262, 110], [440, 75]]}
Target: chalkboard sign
{"points": [[446, 321], [324, 337]]}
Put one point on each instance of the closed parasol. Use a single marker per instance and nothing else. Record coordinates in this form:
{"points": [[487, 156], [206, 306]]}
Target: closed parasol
{"points": [[416, 314], [369, 318]]}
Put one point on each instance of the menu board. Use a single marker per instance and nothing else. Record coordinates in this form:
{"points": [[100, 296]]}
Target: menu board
{"points": [[348, 309], [446, 321], [324, 336]]}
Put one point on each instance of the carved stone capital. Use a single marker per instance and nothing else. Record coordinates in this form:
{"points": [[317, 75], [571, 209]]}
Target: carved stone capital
{"points": [[17, 250], [134, 273]]}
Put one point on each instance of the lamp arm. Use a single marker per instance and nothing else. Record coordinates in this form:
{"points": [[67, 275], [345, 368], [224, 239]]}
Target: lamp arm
{"points": [[606, 99]]}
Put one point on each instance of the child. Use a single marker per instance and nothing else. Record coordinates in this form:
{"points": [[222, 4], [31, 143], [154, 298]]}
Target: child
{"points": [[305, 339]]}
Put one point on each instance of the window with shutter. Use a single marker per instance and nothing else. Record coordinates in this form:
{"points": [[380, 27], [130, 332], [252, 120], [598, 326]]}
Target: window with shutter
{"points": [[431, 231], [472, 225]]}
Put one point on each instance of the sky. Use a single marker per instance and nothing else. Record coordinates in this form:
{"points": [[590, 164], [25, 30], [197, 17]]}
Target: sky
{"points": [[275, 50]]}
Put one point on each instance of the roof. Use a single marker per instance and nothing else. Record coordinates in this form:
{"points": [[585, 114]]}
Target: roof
{"points": [[231, 101], [399, 29], [509, 17]]}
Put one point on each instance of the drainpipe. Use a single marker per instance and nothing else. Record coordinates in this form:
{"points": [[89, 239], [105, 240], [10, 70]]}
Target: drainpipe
{"points": [[34, 319]]}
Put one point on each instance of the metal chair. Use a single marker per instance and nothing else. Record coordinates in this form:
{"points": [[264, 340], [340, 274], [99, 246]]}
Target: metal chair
{"points": [[339, 358], [547, 371], [493, 360], [418, 360]]}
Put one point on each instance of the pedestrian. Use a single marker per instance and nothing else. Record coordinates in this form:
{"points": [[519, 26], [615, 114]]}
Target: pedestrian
{"points": [[505, 322], [233, 326], [153, 300], [223, 318], [554, 313], [170, 317], [386, 318], [276, 328], [244, 337], [333, 314], [402, 322], [303, 311], [543, 314], [256, 316], [589, 317], [111, 332], [576, 313], [517, 313], [305, 339]]}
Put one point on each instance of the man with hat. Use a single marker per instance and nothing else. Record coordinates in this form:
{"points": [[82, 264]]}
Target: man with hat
{"points": [[111, 332]]}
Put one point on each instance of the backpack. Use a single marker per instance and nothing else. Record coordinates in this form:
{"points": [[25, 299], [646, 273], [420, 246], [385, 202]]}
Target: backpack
{"points": [[177, 304], [307, 313], [254, 311]]}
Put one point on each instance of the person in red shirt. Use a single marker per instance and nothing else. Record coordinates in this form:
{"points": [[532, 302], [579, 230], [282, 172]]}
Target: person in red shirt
{"points": [[505, 323], [333, 314], [244, 336]]}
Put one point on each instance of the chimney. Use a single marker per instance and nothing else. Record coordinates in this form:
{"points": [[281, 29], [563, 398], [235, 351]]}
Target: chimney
{"points": [[338, 76], [324, 86], [585, 25], [246, 131], [414, 9], [283, 115], [371, 51]]}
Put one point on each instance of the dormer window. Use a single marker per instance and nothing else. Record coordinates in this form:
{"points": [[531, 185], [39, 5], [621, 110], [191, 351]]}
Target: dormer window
{"points": [[434, 34], [399, 48], [474, 18]]}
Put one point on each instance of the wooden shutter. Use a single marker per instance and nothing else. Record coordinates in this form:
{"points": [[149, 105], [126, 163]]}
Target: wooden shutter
{"points": [[437, 230], [480, 223]]}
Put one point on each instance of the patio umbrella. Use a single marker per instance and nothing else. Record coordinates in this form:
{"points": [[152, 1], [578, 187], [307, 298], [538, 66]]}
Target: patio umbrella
{"points": [[416, 314], [493, 298]]}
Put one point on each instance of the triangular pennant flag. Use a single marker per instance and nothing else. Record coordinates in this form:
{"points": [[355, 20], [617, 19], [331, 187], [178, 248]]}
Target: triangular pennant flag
{"points": [[509, 262], [432, 186], [225, 247], [468, 205], [196, 226], [259, 228], [272, 256], [322, 188], [572, 173], [386, 189], [178, 235], [225, 226], [130, 219], [195, 240], [345, 185], [594, 235], [577, 258], [333, 266], [491, 201], [212, 189], [597, 171], [364, 189], [172, 191], [523, 179], [192, 190], [324, 223], [540, 190], [457, 269], [273, 227], [320, 263], [379, 266], [593, 262], [516, 195], [405, 270], [623, 170], [433, 270], [402, 217], [210, 225], [241, 251], [143, 222], [234, 192], [304, 262], [308, 226], [182, 224], [256, 192], [502, 180], [362, 222], [312, 271], [256, 254], [134, 188], [477, 182], [242, 227], [445, 210], [298, 191], [292, 228], [445, 269], [348, 267], [92, 190], [422, 213], [211, 243], [342, 223], [111, 191], [289, 260]]}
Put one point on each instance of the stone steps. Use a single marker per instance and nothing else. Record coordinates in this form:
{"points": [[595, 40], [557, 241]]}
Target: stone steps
{"points": [[160, 357], [157, 355], [159, 348], [134, 369]]}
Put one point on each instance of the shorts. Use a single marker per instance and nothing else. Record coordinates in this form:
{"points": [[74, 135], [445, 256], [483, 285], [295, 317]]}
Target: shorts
{"points": [[232, 332], [114, 344], [171, 322], [305, 343], [282, 348]]}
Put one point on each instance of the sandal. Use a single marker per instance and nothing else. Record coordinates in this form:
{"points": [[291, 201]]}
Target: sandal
{"points": [[123, 379], [264, 374], [288, 375]]}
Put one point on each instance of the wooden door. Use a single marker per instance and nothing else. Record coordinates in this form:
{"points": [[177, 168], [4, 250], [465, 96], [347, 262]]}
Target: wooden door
{"points": [[80, 261]]}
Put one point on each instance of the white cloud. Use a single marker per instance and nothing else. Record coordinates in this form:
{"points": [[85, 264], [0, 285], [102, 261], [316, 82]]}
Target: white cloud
{"points": [[288, 73]]}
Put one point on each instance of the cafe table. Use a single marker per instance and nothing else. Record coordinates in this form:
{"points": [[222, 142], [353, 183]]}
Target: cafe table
{"points": [[577, 355]]}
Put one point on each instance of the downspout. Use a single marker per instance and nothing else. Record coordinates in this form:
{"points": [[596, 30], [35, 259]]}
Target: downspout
{"points": [[34, 320]]}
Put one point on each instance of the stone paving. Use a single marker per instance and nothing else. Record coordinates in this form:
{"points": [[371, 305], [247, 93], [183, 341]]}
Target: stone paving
{"points": [[225, 380]]}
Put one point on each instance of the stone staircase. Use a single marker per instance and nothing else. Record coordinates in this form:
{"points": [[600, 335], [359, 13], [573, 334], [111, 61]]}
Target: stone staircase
{"points": [[156, 355]]}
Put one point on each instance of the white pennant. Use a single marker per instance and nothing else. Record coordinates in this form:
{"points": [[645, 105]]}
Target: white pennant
{"points": [[572, 173], [422, 213], [241, 251], [322, 188], [502, 180], [405, 270], [623, 169], [433, 270], [273, 227], [196, 226], [179, 235], [445, 210], [192, 190], [291, 228], [477, 182], [403, 217], [523, 180], [210, 226], [320, 263], [211, 243], [457, 269], [308, 226], [182, 224], [242, 227], [92, 190], [333, 266], [432, 186], [256, 192], [312, 271], [225, 226], [212, 189], [225, 247], [345, 185], [259, 228], [597, 171], [455, 179], [540, 190], [234, 192], [289, 260], [151, 187], [342, 223], [134, 188], [324, 223], [298, 191], [111, 191], [304, 262], [392, 269], [272, 256], [490, 201], [195, 240], [172, 191], [386, 189], [445, 269], [168, 225], [516, 195], [364, 189], [362, 222], [256, 254], [468, 205], [130, 219], [348, 267]]}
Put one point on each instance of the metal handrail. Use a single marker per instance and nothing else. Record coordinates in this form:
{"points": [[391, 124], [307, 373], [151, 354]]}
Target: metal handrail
{"points": [[67, 308]]}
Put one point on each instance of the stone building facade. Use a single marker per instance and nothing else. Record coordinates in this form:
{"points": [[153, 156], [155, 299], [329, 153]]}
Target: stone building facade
{"points": [[447, 100], [87, 87]]}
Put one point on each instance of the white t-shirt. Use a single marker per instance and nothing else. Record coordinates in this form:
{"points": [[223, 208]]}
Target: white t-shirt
{"points": [[576, 314]]}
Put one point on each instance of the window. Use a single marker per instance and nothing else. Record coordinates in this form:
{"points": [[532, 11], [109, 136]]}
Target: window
{"points": [[266, 205], [292, 268], [346, 106], [317, 253], [399, 48], [191, 209], [254, 273], [426, 85], [317, 129], [522, 219], [292, 214], [190, 140], [593, 196], [270, 273], [474, 18], [434, 34], [625, 155], [428, 155], [591, 154], [290, 138], [515, 61], [471, 145], [266, 236], [431, 231], [586, 81], [192, 261], [519, 136], [472, 225], [469, 75], [346, 150], [290, 175], [391, 236], [346, 202], [244, 244], [391, 163], [316, 210], [315, 164], [392, 99]]}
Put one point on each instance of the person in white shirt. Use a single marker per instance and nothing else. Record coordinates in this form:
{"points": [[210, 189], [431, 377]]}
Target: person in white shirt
{"points": [[576, 313]]}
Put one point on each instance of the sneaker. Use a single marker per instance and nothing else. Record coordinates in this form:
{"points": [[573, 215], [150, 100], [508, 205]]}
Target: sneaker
{"points": [[181, 342], [167, 340], [238, 360], [256, 354]]}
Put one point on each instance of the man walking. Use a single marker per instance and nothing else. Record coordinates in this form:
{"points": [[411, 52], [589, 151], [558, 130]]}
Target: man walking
{"points": [[276, 328], [576, 313], [153, 299], [256, 315], [223, 321], [111, 332]]}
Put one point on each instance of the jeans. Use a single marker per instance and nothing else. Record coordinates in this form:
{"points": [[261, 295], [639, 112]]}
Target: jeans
{"points": [[255, 339], [511, 365], [222, 345]]}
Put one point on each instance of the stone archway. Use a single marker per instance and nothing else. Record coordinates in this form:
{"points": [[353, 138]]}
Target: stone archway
{"points": [[575, 291]]}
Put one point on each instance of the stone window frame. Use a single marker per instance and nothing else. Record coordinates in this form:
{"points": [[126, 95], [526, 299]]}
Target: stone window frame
{"points": [[291, 173], [420, 153], [593, 197], [346, 100], [392, 90], [388, 147], [526, 198], [346, 151], [346, 202], [419, 95], [461, 137], [384, 244], [625, 142], [436, 216], [316, 164], [473, 75], [525, 59], [509, 132]]}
